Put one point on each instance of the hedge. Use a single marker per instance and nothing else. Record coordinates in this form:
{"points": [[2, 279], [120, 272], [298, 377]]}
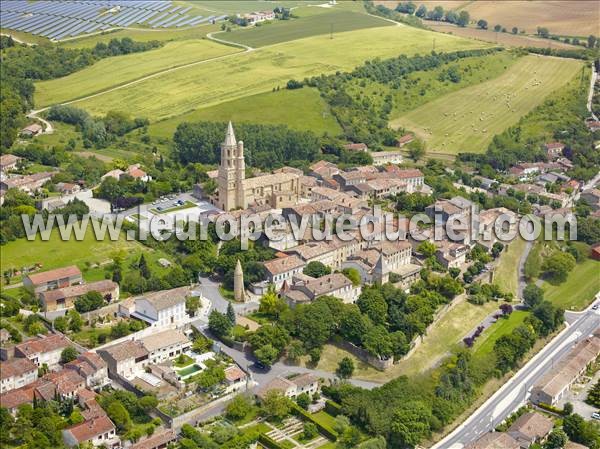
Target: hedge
{"points": [[333, 408], [324, 429], [550, 408], [269, 442]]}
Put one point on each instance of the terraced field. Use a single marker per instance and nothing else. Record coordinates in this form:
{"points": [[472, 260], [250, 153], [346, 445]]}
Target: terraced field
{"points": [[111, 72], [246, 74], [467, 120]]}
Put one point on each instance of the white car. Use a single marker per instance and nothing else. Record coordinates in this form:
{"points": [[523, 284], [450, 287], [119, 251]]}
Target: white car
{"points": [[596, 415]]}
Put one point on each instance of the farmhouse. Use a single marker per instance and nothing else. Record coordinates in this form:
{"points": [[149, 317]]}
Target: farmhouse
{"points": [[53, 279], [236, 192], [9, 162], [358, 147], [554, 150], [64, 298], [43, 350], [406, 138], [67, 188], [32, 130], [553, 386], [28, 183], [16, 373]]}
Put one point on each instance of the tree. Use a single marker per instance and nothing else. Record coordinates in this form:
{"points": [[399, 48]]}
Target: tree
{"points": [[89, 301], [416, 150], [147, 403], [309, 431], [421, 11], [143, 267], [68, 354], [295, 350], [372, 303], [558, 266], [515, 30], [532, 295], [219, 324], [75, 321], [556, 440], [119, 415], [482, 24], [61, 323], [463, 19], [591, 41], [267, 354], [303, 400], [353, 324], [271, 304], [497, 28], [345, 368], [238, 408], [567, 408], [377, 342], [275, 405], [581, 431], [437, 13], [353, 275], [231, 314], [316, 269], [427, 249], [543, 32]]}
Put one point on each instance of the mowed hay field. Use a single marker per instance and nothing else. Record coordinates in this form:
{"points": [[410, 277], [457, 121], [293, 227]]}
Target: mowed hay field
{"points": [[301, 109], [467, 120], [258, 71], [313, 25], [110, 72]]}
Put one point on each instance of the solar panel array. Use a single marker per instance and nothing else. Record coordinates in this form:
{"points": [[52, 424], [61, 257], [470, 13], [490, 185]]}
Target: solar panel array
{"points": [[60, 19]]}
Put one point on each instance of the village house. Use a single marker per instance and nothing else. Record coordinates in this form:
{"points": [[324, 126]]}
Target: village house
{"points": [[165, 345], [458, 211], [552, 387], [405, 139], [64, 298], [17, 373], [494, 440], [358, 147], [325, 193], [414, 178], [592, 198], [67, 383], [291, 387], [32, 130], [386, 157], [530, 428], [99, 431], [554, 150], [53, 279], [350, 178], [488, 220], [27, 183], [44, 350], [67, 188], [92, 368], [307, 184], [324, 169], [235, 378], [305, 289], [133, 171], [9, 162], [160, 440], [127, 359], [159, 309], [282, 269], [451, 254]]}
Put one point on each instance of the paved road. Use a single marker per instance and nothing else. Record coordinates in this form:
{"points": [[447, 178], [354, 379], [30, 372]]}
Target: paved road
{"points": [[516, 391]]}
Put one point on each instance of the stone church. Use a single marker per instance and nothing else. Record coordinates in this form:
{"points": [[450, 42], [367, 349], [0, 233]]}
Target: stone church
{"points": [[236, 192]]}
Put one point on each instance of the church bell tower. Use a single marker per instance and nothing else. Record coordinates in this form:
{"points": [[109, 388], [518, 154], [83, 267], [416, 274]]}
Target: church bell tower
{"points": [[232, 172]]}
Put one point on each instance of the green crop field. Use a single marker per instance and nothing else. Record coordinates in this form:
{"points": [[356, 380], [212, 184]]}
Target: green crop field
{"points": [[579, 289], [467, 120], [335, 21], [258, 71], [118, 70], [302, 109]]}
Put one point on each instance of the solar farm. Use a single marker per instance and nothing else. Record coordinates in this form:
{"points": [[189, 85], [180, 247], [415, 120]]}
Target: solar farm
{"points": [[57, 20]]}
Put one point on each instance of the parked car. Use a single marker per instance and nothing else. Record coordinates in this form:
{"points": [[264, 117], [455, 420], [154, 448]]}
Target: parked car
{"points": [[596, 415]]}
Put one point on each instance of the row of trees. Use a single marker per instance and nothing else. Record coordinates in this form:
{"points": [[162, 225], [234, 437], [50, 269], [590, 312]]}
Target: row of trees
{"points": [[437, 13]]}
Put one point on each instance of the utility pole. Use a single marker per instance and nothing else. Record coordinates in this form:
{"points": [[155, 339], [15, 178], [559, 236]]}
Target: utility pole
{"points": [[331, 31], [433, 47]]}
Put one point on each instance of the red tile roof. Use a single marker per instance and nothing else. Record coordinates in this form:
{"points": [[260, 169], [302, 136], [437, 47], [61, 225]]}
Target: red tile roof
{"points": [[54, 275], [16, 367], [38, 345], [92, 428]]}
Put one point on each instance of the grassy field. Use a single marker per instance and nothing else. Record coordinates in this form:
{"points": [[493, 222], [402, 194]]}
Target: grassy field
{"points": [[506, 273], [578, 290], [467, 120], [56, 253], [485, 343], [255, 72], [302, 109], [118, 70], [328, 21]]}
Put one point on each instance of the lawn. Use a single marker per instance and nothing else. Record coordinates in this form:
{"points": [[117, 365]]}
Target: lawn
{"points": [[117, 70], [246, 74], [504, 326], [579, 289], [186, 205], [506, 272], [467, 120], [329, 20], [56, 253], [301, 109]]}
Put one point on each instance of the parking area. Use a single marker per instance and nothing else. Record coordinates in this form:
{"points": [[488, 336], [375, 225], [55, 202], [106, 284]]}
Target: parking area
{"points": [[577, 395]]}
